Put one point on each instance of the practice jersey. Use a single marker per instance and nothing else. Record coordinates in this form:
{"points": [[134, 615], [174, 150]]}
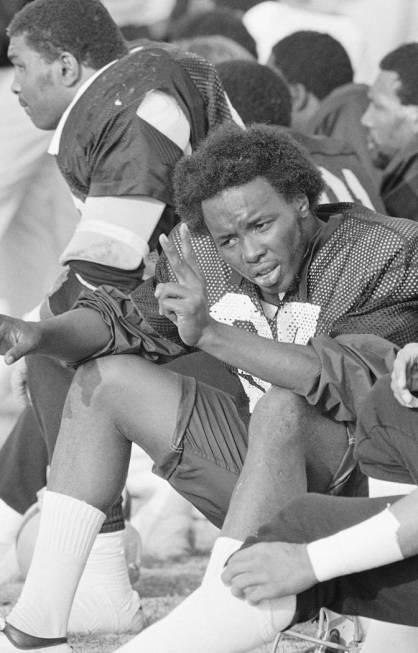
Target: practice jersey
{"points": [[106, 149], [360, 277], [345, 177]]}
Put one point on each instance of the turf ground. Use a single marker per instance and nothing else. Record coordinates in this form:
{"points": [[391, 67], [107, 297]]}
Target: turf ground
{"points": [[163, 586]]}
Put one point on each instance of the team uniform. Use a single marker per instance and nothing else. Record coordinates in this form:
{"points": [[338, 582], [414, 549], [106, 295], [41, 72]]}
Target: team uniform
{"points": [[343, 293], [339, 115], [399, 184], [345, 177], [387, 449], [119, 139]]}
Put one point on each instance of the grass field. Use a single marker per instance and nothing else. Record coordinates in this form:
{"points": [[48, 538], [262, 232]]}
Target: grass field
{"points": [[162, 586]]}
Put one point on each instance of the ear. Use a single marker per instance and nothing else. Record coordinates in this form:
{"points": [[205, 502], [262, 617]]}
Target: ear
{"points": [[300, 96], [70, 69], [303, 205]]}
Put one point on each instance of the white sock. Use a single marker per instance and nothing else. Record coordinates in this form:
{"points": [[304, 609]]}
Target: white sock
{"points": [[10, 521], [105, 600], [67, 530], [212, 620], [222, 549], [379, 488]]}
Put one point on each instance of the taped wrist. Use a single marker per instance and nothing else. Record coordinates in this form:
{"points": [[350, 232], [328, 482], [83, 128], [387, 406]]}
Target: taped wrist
{"points": [[371, 543]]}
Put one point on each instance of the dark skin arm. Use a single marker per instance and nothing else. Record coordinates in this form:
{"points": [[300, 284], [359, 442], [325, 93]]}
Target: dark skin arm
{"points": [[185, 304], [71, 336]]}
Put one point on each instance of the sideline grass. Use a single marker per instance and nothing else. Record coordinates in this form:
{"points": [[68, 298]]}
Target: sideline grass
{"points": [[163, 585]]}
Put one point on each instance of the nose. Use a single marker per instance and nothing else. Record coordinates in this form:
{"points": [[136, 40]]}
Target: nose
{"points": [[252, 249], [15, 86]]}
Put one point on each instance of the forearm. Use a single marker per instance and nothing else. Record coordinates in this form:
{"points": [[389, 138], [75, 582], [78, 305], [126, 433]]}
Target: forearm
{"points": [[283, 364], [387, 537], [72, 336]]}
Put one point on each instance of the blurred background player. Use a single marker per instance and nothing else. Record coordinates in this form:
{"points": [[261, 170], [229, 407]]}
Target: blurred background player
{"points": [[260, 94], [221, 22], [391, 121], [325, 98]]}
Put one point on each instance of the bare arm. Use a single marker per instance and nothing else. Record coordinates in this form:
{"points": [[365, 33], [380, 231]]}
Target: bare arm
{"points": [[268, 570], [72, 336], [185, 303]]}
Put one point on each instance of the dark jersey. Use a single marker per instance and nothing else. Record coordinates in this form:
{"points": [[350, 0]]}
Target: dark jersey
{"points": [[399, 186], [106, 149], [339, 115], [360, 277], [345, 177]]}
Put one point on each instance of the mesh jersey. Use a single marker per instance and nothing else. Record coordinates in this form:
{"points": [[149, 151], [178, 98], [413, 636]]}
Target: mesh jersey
{"points": [[106, 149], [400, 184], [343, 289], [345, 177]]}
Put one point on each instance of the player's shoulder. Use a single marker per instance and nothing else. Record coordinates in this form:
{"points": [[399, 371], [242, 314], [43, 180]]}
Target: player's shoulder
{"points": [[363, 222]]}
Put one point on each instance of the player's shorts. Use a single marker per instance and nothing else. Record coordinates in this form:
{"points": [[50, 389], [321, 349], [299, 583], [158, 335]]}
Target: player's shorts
{"points": [[208, 448]]}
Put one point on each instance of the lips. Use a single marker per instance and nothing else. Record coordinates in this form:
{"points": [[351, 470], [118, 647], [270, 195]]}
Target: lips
{"points": [[267, 276]]}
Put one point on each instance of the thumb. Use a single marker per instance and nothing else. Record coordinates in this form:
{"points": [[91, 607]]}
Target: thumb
{"points": [[15, 353]]}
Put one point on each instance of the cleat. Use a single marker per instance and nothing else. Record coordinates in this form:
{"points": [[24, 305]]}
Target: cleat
{"points": [[12, 639]]}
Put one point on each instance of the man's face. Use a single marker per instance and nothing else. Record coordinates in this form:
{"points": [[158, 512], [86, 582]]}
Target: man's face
{"points": [[259, 234], [391, 124], [37, 84]]}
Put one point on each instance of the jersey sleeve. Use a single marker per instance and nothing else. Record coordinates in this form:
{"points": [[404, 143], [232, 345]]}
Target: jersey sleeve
{"points": [[132, 158], [349, 366]]}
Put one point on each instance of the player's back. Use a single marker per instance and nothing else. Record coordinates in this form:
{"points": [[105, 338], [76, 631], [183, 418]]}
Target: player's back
{"points": [[345, 177]]}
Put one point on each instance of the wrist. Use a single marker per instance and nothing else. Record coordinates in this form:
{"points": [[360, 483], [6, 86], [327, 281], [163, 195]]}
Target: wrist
{"points": [[371, 543], [209, 338]]}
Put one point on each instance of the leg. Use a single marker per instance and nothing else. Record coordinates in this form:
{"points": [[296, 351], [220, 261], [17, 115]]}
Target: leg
{"points": [[23, 462], [289, 452], [24, 451], [111, 402]]}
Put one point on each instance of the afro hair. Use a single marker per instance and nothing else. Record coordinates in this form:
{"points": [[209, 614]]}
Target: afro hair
{"points": [[231, 156]]}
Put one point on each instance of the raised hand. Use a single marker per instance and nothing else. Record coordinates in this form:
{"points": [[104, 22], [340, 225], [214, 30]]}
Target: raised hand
{"points": [[17, 338], [269, 570], [184, 302], [404, 379]]}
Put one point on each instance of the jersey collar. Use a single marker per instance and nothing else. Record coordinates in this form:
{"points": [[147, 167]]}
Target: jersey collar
{"points": [[54, 146]]}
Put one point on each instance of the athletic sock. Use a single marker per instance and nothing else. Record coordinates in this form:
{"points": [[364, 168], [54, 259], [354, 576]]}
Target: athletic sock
{"points": [[10, 522], [67, 530], [105, 600], [223, 548], [212, 620]]}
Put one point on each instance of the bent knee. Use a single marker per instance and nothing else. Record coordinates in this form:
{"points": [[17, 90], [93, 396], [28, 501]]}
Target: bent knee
{"points": [[279, 401], [99, 379]]}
